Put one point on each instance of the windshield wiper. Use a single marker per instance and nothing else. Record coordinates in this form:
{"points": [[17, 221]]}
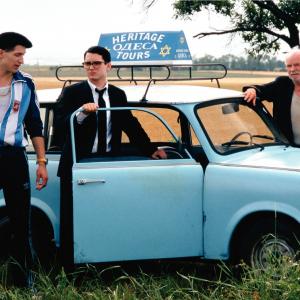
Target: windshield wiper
{"points": [[275, 139], [264, 136], [231, 143], [259, 145]]}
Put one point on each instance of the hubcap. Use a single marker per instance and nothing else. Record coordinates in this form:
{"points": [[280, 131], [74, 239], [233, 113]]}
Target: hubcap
{"points": [[271, 250]]}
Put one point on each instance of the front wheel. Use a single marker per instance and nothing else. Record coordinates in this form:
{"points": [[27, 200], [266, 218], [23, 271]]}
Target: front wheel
{"points": [[269, 242], [42, 238]]}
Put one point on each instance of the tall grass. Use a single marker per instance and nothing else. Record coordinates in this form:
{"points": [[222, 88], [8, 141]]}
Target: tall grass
{"points": [[279, 281]]}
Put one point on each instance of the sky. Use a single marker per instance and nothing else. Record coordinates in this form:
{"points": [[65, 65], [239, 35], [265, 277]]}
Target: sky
{"points": [[61, 30]]}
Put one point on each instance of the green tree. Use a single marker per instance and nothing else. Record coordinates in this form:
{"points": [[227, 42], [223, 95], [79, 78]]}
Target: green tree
{"points": [[261, 23]]}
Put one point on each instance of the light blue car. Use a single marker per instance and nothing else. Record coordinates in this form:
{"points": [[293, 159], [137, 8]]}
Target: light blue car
{"points": [[229, 189]]}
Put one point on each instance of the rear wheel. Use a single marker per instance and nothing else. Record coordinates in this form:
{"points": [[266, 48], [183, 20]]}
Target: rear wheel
{"points": [[269, 242]]}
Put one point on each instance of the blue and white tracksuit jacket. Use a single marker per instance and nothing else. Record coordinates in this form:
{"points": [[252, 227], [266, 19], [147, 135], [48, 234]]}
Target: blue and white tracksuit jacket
{"points": [[23, 110]]}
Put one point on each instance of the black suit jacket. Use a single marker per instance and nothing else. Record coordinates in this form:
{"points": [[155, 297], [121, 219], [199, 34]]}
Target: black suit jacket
{"points": [[72, 98], [280, 92]]}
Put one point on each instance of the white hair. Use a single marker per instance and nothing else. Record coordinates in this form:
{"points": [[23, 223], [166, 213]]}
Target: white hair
{"points": [[294, 50]]}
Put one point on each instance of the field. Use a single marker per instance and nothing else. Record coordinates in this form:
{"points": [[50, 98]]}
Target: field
{"points": [[234, 80]]}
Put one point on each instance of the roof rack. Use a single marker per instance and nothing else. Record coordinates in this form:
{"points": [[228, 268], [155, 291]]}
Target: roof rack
{"points": [[146, 73]]}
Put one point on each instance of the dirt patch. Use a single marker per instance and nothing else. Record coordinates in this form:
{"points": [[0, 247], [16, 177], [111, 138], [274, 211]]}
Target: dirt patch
{"points": [[47, 83]]}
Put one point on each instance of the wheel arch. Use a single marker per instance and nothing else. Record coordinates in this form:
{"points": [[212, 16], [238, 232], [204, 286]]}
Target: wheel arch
{"points": [[37, 214], [43, 236], [249, 220], [41, 229]]}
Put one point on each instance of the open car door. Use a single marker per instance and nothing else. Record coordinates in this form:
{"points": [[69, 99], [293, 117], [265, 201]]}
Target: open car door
{"points": [[141, 208]]}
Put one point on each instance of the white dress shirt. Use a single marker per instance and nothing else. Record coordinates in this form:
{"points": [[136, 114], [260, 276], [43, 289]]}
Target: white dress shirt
{"points": [[81, 116]]}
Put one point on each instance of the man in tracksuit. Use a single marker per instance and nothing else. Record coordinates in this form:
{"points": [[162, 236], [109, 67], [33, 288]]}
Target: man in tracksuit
{"points": [[19, 116]]}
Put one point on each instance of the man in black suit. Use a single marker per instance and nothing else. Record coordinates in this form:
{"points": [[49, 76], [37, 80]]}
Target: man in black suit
{"points": [[89, 139], [284, 92]]}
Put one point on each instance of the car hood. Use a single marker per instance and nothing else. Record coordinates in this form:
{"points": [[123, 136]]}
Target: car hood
{"points": [[277, 157]]}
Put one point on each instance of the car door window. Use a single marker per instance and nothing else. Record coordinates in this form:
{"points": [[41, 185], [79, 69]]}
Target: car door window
{"points": [[154, 128], [161, 135]]}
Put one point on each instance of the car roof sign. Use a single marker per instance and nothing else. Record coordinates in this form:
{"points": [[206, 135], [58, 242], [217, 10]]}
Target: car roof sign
{"points": [[147, 47]]}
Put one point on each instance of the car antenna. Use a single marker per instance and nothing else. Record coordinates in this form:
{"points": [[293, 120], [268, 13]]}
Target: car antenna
{"points": [[144, 99]]}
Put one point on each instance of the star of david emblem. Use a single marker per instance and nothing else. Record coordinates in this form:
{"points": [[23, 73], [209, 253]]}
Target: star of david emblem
{"points": [[165, 50]]}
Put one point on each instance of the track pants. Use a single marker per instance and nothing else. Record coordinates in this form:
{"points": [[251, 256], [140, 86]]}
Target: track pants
{"points": [[15, 182]]}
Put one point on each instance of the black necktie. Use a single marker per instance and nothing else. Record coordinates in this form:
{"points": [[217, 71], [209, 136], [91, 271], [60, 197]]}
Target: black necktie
{"points": [[101, 123]]}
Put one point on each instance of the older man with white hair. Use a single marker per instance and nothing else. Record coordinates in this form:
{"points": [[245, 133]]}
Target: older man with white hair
{"points": [[284, 92]]}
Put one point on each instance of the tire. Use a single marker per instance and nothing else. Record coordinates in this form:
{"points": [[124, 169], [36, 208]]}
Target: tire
{"points": [[42, 239], [267, 242]]}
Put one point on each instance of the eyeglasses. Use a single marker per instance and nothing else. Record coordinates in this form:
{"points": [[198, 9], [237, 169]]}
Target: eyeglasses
{"points": [[95, 64]]}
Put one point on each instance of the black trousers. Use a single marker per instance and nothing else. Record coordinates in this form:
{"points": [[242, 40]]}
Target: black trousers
{"points": [[15, 182], [66, 221]]}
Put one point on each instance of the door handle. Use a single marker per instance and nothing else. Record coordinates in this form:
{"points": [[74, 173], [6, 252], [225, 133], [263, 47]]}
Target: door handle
{"points": [[83, 181]]}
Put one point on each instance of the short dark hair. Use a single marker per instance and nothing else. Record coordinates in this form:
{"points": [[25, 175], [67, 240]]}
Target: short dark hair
{"points": [[9, 40], [101, 51]]}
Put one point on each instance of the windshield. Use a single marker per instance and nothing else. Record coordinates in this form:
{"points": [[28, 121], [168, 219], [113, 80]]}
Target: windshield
{"points": [[234, 126]]}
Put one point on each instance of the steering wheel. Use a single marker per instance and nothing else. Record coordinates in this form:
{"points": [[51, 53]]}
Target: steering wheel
{"points": [[172, 153], [234, 139]]}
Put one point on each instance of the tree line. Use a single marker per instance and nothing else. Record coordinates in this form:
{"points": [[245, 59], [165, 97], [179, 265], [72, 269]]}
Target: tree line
{"points": [[232, 62]]}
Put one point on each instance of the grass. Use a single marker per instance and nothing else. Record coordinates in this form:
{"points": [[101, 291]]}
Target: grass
{"points": [[163, 281]]}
